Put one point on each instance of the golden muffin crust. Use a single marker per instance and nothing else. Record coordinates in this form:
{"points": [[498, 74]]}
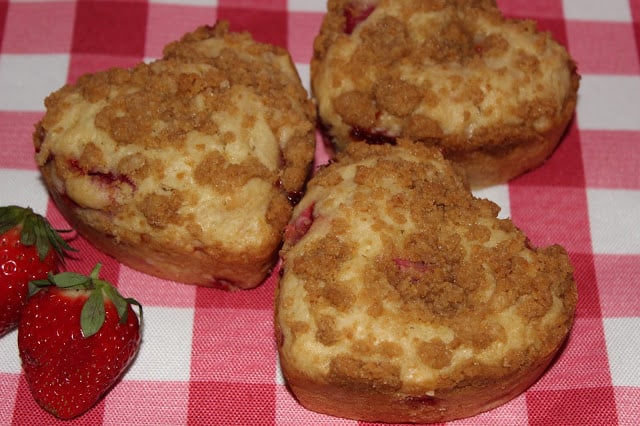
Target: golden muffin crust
{"points": [[187, 167], [405, 299], [494, 93]]}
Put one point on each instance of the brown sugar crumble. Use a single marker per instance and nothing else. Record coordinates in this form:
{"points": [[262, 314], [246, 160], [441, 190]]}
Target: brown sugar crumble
{"points": [[453, 74], [398, 244], [219, 131]]}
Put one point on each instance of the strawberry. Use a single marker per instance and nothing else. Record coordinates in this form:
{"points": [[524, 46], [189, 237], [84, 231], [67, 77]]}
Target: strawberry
{"points": [[76, 337], [29, 249]]}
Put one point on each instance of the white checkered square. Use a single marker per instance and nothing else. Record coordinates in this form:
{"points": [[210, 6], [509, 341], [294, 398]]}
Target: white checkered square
{"points": [[609, 102], [279, 376], [499, 194], [25, 80], [597, 10], [303, 71], [187, 2], [9, 353], [165, 352], [613, 216], [307, 5], [23, 188], [623, 347]]}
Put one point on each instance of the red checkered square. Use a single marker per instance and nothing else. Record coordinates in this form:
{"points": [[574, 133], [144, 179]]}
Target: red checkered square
{"points": [[214, 403], [634, 5], [515, 411], [619, 284], [38, 27], [611, 158], [134, 402], [83, 63], [110, 27], [233, 345], [289, 412], [257, 298], [8, 389], [584, 272], [167, 22], [557, 27], [531, 9], [563, 168], [552, 215], [152, 291], [603, 47], [16, 129], [253, 20], [628, 405], [303, 28], [583, 362], [572, 407], [4, 6]]}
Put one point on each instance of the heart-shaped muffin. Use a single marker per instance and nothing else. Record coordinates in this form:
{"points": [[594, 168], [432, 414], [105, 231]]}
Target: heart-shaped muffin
{"points": [[494, 94], [405, 299], [186, 168]]}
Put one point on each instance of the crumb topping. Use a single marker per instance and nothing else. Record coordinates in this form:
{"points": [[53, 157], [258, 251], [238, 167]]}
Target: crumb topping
{"points": [[401, 256], [218, 132], [445, 72]]}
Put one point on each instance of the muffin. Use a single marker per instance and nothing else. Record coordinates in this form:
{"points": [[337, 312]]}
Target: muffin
{"points": [[494, 94], [186, 168], [403, 298]]}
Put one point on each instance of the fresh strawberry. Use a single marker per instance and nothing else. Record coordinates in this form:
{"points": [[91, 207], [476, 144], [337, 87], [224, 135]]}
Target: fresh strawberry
{"points": [[76, 337], [29, 249]]}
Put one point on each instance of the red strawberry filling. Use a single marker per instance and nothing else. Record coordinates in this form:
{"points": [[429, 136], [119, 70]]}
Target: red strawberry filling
{"points": [[111, 185], [371, 138], [414, 269], [417, 401], [355, 13], [107, 178], [110, 178], [295, 230], [294, 197]]}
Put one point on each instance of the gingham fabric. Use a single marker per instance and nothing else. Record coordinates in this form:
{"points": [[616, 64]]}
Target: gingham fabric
{"points": [[208, 357]]}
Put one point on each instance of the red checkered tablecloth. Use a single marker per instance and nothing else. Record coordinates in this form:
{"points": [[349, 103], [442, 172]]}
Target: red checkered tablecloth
{"points": [[209, 357]]}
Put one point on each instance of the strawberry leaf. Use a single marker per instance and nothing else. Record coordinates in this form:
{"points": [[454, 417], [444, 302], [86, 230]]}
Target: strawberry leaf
{"points": [[35, 230], [40, 283], [28, 235], [93, 314], [132, 301], [57, 242], [70, 279], [42, 242], [118, 301], [95, 272], [10, 216], [36, 285]]}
